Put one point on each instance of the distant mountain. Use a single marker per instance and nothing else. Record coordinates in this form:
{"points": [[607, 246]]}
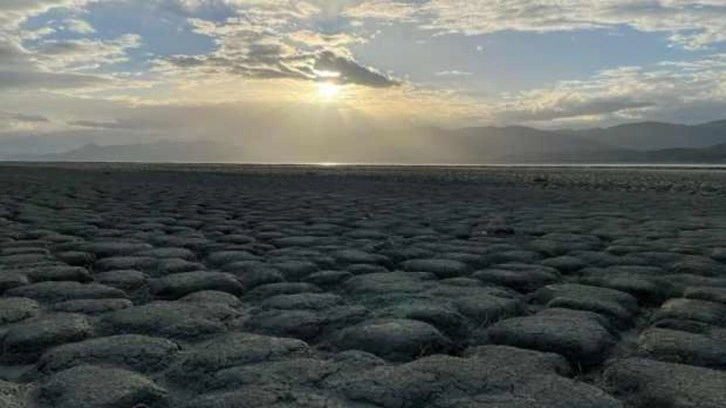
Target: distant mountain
{"points": [[657, 135], [505, 143], [706, 155], [163, 151], [712, 155], [647, 142], [446, 146], [717, 125]]}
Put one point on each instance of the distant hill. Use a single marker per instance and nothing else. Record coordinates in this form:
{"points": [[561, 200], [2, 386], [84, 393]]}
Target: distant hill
{"points": [[706, 155], [717, 125], [425, 145], [163, 151], [646, 142], [509, 143], [712, 155], [657, 135]]}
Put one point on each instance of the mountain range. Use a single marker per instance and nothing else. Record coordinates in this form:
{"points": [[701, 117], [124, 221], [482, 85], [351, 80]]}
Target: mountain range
{"points": [[644, 142]]}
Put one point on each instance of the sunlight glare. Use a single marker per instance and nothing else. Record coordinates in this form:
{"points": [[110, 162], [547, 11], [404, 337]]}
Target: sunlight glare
{"points": [[328, 91]]}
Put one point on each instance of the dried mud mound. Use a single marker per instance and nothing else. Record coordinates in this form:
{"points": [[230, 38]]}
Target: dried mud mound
{"points": [[234, 286]]}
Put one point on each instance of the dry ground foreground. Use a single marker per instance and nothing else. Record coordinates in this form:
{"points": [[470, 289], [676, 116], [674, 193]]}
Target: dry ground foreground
{"points": [[233, 286]]}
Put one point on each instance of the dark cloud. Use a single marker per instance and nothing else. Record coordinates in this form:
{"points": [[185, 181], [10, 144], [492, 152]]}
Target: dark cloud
{"points": [[43, 80], [352, 72], [62, 47], [12, 54], [30, 118], [573, 107], [117, 125], [275, 40], [266, 61]]}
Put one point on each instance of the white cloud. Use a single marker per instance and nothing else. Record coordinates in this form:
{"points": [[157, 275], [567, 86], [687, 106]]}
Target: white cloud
{"points": [[269, 41], [62, 65], [49, 64], [453, 73], [625, 93], [689, 23], [13, 13], [36, 80], [12, 54], [83, 54], [78, 26]]}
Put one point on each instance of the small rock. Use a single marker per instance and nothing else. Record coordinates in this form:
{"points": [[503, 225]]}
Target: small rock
{"points": [[54, 292], [579, 339], [692, 309], [522, 277], [212, 296], [389, 282], [26, 341], [15, 309], [683, 347], [180, 284], [325, 278], [282, 288], [130, 351], [114, 248], [58, 273], [123, 279], [298, 324], [143, 263], [234, 349], [225, 257], [173, 319], [91, 387], [647, 383], [76, 258], [442, 268], [710, 294], [355, 256], [12, 280], [91, 306], [392, 339], [565, 264]]}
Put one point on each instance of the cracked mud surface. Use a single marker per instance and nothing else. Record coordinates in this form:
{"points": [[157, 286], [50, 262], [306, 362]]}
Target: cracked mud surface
{"points": [[268, 286]]}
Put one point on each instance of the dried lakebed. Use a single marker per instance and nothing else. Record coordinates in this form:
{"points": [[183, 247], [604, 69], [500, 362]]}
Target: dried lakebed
{"points": [[265, 286]]}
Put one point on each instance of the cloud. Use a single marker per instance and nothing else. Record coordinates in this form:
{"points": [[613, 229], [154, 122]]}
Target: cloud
{"points": [[453, 73], [632, 93], [52, 64], [23, 117], [12, 54], [294, 39], [692, 24], [567, 106], [12, 121], [31, 60], [34, 80], [310, 38], [13, 13], [260, 44], [267, 63], [78, 26], [83, 54], [29, 118], [117, 124], [274, 50], [351, 71]]}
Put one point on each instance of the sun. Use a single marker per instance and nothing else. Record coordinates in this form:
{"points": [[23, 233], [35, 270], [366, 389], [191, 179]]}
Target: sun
{"points": [[328, 91]]}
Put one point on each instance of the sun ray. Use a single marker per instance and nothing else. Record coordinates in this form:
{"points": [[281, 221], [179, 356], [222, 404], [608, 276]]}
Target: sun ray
{"points": [[328, 91]]}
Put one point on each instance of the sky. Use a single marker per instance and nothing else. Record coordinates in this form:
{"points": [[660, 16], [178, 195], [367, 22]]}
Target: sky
{"points": [[129, 71]]}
